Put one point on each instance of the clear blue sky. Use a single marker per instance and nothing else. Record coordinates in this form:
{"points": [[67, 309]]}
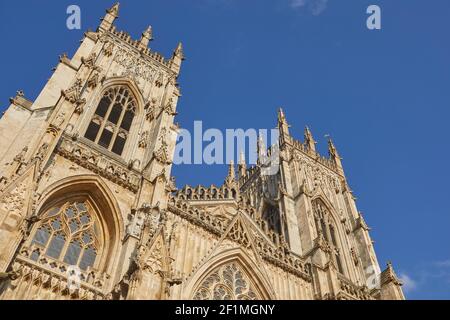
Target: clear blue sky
{"points": [[383, 95]]}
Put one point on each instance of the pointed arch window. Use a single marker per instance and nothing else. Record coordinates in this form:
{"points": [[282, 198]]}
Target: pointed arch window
{"points": [[325, 225], [227, 282], [111, 123], [68, 233]]}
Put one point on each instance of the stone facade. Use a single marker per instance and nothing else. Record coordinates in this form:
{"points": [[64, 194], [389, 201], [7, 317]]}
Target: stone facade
{"points": [[86, 193]]}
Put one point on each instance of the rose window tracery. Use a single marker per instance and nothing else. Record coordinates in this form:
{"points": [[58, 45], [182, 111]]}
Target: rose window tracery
{"points": [[227, 282]]}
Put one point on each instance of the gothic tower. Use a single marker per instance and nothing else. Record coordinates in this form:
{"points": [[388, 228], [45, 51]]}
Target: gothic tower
{"points": [[89, 209]]}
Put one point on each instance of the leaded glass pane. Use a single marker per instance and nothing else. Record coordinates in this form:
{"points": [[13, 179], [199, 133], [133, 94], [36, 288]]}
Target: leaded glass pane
{"points": [[88, 259], [53, 212], [127, 120], [35, 255], [73, 252], [56, 245], [73, 225], [70, 212], [119, 144], [67, 233], [105, 138], [92, 131], [116, 111], [84, 218], [103, 107], [81, 207], [118, 105], [41, 237], [87, 238], [56, 224]]}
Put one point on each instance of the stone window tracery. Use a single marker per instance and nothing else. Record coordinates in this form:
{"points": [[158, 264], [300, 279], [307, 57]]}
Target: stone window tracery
{"points": [[325, 226], [111, 123], [68, 233], [227, 282]]}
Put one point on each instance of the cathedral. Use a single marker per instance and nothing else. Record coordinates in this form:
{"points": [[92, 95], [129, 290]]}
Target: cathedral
{"points": [[89, 208]]}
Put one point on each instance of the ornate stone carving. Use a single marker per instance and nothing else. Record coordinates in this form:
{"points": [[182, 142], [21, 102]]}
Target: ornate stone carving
{"points": [[227, 282], [73, 94], [144, 136], [108, 48], [135, 66], [92, 160], [237, 233], [13, 202], [162, 155], [93, 80], [170, 108], [89, 62]]}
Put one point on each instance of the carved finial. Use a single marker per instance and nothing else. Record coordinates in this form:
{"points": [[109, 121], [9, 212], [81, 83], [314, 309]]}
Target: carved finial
{"points": [[231, 177], [309, 140], [177, 58], [111, 15], [283, 126], [281, 116], [332, 149], [114, 10], [179, 51], [146, 37]]}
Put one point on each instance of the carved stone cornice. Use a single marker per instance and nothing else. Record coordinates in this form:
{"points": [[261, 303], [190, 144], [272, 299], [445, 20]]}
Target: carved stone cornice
{"points": [[93, 160], [53, 276], [351, 291]]}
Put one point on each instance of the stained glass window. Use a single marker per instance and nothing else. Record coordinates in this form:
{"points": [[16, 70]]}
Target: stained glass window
{"points": [[68, 233], [325, 225], [226, 282], [112, 120]]}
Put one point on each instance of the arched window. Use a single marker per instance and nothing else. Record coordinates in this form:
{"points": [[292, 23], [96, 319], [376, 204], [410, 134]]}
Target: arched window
{"points": [[325, 225], [112, 120], [226, 282], [68, 233]]}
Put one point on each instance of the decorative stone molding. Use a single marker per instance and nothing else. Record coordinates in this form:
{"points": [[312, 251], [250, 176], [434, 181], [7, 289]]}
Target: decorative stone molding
{"points": [[144, 136], [277, 256], [202, 193], [52, 276], [162, 155], [73, 94], [89, 62], [108, 48], [350, 291], [170, 108], [93, 80], [137, 67], [95, 161]]}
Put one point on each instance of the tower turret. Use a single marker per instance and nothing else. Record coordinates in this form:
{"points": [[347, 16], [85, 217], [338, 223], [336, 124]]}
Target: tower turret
{"points": [[230, 180], [310, 143], [177, 58], [334, 155], [283, 126], [111, 15], [146, 37]]}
